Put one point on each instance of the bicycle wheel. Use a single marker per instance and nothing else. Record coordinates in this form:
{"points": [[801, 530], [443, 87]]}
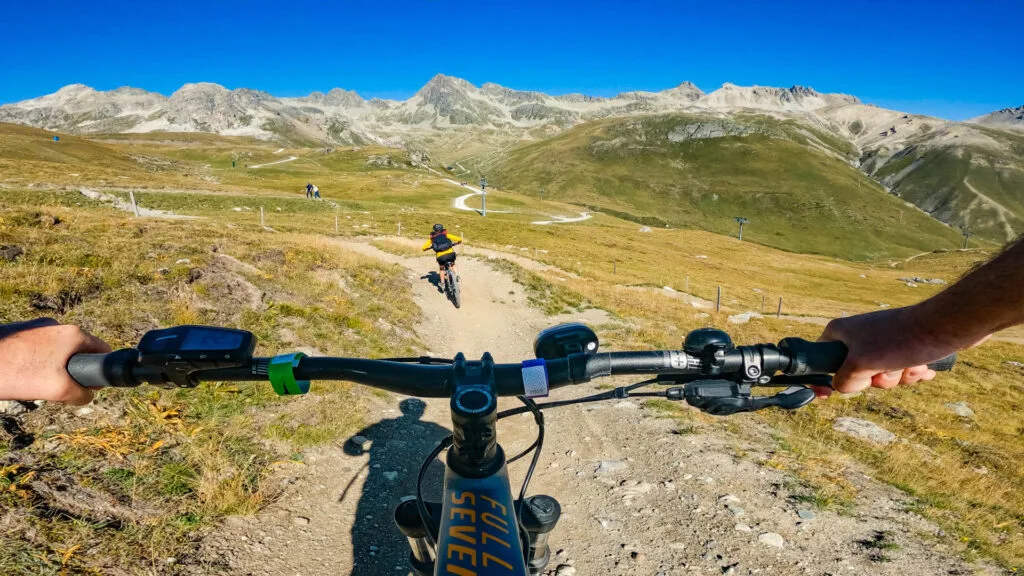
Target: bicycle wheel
{"points": [[453, 289]]}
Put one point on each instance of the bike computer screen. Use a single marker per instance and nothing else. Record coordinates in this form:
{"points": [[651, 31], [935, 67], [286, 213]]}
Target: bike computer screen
{"points": [[200, 338], [210, 346]]}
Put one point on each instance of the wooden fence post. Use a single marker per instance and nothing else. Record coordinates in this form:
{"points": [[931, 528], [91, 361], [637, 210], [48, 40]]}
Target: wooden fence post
{"points": [[779, 313], [399, 228], [686, 287], [135, 207], [762, 303], [718, 300], [261, 215], [335, 222]]}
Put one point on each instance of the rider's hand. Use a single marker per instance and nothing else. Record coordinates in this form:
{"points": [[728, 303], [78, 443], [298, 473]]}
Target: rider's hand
{"points": [[886, 348], [33, 360]]}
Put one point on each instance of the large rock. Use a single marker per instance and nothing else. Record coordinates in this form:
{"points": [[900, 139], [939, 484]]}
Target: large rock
{"points": [[863, 430], [13, 408], [744, 317], [610, 466], [960, 409], [772, 539], [11, 253]]}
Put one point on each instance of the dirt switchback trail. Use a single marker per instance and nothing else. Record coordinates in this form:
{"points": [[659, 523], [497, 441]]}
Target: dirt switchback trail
{"points": [[641, 494]]}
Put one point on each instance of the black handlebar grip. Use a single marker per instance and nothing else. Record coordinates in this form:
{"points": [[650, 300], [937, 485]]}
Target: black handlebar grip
{"points": [[104, 370], [945, 364], [826, 357], [812, 357]]}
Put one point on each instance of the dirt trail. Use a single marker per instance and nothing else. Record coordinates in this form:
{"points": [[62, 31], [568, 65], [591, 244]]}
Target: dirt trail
{"points": [[655, 507], [1001, 211]]}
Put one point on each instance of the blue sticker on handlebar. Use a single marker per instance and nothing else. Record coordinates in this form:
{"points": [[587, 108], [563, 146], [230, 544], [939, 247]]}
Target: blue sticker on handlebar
{"points": [[535, 378]]}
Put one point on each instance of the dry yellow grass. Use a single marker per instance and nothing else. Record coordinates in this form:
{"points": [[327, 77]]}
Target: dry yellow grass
{"points": [[179, 459]]}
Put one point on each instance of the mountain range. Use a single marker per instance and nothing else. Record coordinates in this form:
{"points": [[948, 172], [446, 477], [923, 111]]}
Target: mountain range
{"points": [[344, 117], [965, 174]]}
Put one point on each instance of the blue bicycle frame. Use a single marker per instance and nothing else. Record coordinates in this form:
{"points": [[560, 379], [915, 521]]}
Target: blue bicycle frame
{"points": [[479, 532]]}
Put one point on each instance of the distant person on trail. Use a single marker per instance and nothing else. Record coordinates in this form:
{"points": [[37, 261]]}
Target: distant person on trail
{"points": [[316, 193], [309, 190], [443, 245]]}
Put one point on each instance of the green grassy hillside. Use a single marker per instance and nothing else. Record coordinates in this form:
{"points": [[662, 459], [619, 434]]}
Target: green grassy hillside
{"points": [[791, 182], [976, 181]]}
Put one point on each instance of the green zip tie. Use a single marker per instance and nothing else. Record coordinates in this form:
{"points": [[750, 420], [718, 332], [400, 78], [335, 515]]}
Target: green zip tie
{"points": [[281, 372]]}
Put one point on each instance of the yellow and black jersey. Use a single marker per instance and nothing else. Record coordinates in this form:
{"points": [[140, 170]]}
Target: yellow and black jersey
{"points": [[450, 250]]}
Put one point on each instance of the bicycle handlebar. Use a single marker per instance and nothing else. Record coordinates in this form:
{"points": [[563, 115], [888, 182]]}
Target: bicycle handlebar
{"points": [[754, 364]]}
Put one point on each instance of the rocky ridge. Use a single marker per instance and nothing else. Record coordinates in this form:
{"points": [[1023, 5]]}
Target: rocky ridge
{"points": [[343, 116]]}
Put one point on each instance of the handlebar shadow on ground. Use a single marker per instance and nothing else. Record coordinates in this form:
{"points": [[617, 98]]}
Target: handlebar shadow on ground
{"points": [[399, 446], [434, 278]]}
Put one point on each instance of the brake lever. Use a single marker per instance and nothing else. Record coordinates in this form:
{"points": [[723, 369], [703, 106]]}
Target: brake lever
{"points": [[723, 397], [789, 399]]}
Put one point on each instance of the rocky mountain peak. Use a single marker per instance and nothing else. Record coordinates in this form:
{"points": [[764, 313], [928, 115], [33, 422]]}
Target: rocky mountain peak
{"points": [[343, 98], [1005, 118], [686, 90], [511, 97], [200, 88], [442, 83], [798, 90], [75, 90]]}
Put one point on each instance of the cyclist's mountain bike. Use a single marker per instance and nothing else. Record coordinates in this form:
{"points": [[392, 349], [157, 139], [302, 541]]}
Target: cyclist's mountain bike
{"points": [[478, 527], [452, 289]]}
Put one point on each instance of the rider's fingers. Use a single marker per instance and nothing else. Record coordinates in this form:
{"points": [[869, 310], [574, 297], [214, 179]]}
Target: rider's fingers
{"points": [[887, 380], [75, 395], [822, 391], [916, 374], [849, 380]]}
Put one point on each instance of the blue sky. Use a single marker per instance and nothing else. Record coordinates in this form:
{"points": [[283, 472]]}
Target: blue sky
{"points": [[951, 59]]}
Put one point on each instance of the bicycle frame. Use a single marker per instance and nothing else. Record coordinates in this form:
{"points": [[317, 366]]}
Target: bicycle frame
{"points": [[478, 531]]}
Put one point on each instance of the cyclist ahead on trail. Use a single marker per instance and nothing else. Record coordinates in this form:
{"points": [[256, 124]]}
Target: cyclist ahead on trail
{"points": [[443, 245]]}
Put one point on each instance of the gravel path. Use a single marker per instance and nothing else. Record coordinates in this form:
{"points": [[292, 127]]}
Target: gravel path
{"points": [[288, 159], [641, 493]]}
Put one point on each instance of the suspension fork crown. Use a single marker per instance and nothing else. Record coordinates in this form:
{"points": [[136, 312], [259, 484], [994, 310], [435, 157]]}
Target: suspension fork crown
{"points": [[474, 405]]}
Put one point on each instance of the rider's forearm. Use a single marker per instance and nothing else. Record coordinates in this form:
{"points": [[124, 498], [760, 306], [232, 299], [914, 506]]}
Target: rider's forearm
{"points": [[988, 299]]}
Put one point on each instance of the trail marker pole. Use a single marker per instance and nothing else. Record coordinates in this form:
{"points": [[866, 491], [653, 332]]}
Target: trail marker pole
{"points": [[742, 221], [778, 314], [686, 286], [967, 236], [261, 215], [135, 207], [615, 267], [762, 303], [718, 300], [483, 196], [335, 222], [399, 228]]}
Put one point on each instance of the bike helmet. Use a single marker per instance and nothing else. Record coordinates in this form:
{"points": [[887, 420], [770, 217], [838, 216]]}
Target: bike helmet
{"points": [[438, 228]]}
